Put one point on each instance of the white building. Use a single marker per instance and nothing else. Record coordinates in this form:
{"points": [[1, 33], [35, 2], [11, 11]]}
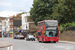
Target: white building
{"points": [[4, 25], [7, 24], [24, 21], [27, 23]]}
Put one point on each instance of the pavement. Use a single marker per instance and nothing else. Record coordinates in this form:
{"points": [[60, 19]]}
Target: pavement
{"points": [[4, 44], [69, 42]]}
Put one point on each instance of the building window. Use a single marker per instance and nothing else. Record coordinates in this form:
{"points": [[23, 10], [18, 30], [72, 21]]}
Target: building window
{"points": [[39, 33], [10, 28], [11, 23]]}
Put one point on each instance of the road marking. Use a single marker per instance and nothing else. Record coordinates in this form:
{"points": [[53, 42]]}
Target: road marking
{"points": [[42, 48], [46, 49], [37, 45], [65, 47], [8, 48], [11, 47]]}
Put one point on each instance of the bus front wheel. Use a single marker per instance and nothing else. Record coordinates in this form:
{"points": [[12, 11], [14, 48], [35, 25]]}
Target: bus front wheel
{"points": [[39, 40], [54, 41]]}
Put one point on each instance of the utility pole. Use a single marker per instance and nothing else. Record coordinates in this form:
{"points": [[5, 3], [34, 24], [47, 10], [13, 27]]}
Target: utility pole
{"points": [[26, 20]]}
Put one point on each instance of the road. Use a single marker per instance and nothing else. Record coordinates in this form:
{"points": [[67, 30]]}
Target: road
{"points": [[20, 44]]}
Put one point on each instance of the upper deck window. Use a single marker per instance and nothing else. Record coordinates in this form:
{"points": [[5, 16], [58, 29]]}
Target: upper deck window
{"points": [[41, 24], [51, 23]]}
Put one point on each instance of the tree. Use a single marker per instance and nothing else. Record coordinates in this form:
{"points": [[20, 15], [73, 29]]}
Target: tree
{"points": [[61, 10], [42, 10], [21, 13], [65, 11]]}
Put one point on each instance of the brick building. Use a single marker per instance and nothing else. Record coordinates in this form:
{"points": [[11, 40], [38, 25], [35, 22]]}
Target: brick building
{"points": [[13, 28]]}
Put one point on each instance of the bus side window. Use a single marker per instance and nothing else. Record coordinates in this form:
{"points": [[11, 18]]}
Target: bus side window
{"points": [[39, 33]]}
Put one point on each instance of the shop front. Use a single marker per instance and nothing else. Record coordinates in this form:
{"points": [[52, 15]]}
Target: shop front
{"points": [[0, 34], [10, 34]]}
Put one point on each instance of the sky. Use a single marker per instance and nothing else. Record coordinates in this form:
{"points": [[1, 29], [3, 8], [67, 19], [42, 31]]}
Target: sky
{"points": [[13, 7]]}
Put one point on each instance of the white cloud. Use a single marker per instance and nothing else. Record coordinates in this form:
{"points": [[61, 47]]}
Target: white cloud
{"points": [[14, 6], [8, 13], [5, 3]]}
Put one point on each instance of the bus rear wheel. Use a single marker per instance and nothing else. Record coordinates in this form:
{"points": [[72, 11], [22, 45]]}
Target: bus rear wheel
{"points": [[42, 40]]}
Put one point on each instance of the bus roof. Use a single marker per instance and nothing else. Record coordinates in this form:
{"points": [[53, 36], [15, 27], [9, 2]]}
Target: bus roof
{"points": [[46, 20]]}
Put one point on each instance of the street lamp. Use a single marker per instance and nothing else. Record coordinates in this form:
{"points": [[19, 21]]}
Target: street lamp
{"points": [[26, 19]]}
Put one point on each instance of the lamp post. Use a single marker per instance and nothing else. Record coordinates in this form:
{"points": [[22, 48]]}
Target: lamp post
{"points": [[26, 19]]}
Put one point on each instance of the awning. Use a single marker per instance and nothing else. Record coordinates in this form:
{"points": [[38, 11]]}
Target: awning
{"points": [[10, 31], [19, 31]]}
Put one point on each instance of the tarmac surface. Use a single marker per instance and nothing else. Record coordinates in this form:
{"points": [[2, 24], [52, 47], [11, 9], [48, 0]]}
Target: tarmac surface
{"points": [[22, 44]]}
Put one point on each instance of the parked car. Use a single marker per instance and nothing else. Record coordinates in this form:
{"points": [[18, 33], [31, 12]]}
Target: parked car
{"points": [[30, 37], [15, 36], [19, 37]]}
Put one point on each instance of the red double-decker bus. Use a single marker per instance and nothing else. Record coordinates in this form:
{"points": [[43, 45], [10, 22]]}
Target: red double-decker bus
{"points": [[47, 31]]}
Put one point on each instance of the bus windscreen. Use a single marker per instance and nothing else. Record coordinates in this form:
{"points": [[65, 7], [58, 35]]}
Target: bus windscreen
{"points": [[51, 33]]}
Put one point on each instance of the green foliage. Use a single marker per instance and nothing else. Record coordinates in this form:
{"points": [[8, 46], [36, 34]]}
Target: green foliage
{"points": [[61, 10], [65, 11], [42, 10], [68, 24], [63, 27], [21, 13]]}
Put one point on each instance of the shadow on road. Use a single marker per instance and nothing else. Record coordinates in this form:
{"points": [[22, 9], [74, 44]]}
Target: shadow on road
{"points": [[48, 42]]}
